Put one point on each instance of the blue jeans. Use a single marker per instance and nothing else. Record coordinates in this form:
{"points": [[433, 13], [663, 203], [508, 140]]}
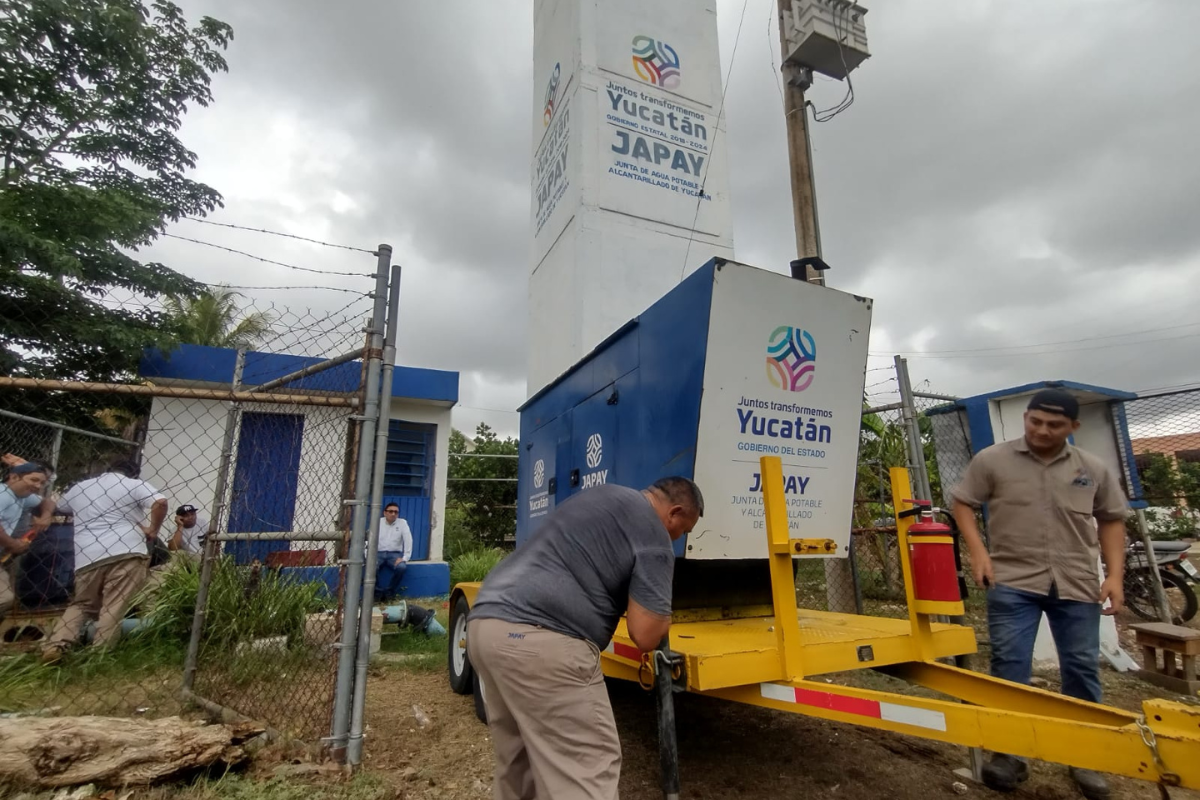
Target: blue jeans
{"points": [[1013, 618], [389, 571]]}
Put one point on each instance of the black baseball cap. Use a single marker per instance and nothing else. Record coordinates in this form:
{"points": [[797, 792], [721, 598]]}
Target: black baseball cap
{"points": [[1055, 401], [184, 510]]}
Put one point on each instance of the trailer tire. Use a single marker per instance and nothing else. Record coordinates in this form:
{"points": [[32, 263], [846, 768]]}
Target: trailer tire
{"points": [[462, 674], [480, 708]]}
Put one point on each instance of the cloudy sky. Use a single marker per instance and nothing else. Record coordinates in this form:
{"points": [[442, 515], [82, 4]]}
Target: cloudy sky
{"points": [[1015, 184]]}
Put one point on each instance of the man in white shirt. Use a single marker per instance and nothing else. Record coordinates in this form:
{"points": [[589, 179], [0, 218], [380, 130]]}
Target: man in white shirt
{"points": [[20, 492], [190, 528], [111, 552], [395, 549]]}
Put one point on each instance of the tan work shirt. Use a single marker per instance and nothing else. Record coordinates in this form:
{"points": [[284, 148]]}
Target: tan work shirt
{"points": [[1040, 528]]}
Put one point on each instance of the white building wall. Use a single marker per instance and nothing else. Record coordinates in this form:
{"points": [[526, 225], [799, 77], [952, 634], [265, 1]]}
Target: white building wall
{"points": [[183, 453]]}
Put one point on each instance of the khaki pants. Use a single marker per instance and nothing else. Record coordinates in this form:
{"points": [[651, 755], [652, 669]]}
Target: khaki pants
{"points": [[102, 593], [8, 597], [551, 723]]}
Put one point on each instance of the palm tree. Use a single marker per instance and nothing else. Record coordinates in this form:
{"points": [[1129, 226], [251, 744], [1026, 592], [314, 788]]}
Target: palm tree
{"points": [[210, 318]]}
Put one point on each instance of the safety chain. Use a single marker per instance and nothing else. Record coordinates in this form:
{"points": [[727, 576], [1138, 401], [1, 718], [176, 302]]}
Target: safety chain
{"points": [[676, 669], [1151, 741]]}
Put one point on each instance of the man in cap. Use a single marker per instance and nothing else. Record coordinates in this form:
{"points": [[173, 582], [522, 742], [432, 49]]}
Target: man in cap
{"points": [[1044, 496], [111, 554], [542, 617], [21, 492], [190, 528]]}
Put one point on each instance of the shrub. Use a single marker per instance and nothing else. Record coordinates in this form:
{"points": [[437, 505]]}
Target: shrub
{"points": [[474, 565]]}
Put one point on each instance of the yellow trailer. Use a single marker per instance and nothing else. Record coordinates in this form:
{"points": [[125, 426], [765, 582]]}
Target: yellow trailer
{"points": [[768, 655]]}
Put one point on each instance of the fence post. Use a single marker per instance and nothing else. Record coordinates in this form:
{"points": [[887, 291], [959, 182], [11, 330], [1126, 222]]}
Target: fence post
{"points": [[920, 471], [56, 449], [354, 748], [212, 547], [353, 602], [1160, 594], [912, 432]]}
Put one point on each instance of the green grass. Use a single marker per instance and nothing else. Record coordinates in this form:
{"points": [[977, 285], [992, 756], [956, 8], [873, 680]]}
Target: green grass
{"points": [[144, 668], [474, 565], [420, 653], [242, 604]]}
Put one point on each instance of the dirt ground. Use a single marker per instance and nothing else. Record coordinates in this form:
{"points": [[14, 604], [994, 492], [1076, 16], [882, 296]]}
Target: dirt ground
{"points": [[726, 750]]}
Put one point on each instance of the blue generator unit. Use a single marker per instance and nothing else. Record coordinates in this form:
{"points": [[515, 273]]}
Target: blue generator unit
{"points": [[732, 364]]}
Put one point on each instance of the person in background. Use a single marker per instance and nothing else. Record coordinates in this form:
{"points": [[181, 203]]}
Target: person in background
{"points": [[1042, 556], [21, 492], [111, 556], [541, 618], [190, 528], [393, 554]]}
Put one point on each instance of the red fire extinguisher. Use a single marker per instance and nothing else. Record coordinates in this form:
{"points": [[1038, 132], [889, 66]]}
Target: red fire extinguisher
{"points": [[933, 556]]}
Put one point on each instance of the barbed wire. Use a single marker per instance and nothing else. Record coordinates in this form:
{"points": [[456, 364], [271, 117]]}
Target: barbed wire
{"points": [[281, 234], [267, 260], [273, 288]]}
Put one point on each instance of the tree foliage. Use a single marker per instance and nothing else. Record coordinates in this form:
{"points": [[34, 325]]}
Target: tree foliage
{"points": [[1172, 488], [211, 318], [92, 94], [482, 490]]}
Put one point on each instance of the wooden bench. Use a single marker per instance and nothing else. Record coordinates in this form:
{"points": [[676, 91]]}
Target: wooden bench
{"points": [[1178, 646]]}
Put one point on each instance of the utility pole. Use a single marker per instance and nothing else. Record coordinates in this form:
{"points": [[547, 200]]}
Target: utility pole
{"points": [[796, 81], [830, 22]]}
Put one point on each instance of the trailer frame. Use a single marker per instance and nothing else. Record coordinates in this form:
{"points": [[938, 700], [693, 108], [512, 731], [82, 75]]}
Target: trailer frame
{"points": [[767, 656]]}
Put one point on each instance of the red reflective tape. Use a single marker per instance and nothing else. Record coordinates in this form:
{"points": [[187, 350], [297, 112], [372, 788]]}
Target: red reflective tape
{"points": [[626, 651], [837, 702]]}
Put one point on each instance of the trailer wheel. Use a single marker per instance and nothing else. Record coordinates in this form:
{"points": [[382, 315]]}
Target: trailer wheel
{"points": [[480, 708], [461, 673]]}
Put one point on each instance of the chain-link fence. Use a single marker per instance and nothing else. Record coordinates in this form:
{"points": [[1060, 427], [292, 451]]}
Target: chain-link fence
{"points": [[184, 509], [871, 580], [1161, 466]]}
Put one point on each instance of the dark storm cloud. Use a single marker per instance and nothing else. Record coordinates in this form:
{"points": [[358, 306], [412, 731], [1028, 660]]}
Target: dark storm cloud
{"points": [[1010, 173]]}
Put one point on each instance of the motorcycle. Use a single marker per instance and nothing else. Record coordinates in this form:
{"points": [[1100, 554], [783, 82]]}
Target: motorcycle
{"points": [[1177, 573]]}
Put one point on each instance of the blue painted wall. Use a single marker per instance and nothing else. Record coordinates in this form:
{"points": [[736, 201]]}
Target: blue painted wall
{"points": [[642, 385], [264, 482], [215, 365]]}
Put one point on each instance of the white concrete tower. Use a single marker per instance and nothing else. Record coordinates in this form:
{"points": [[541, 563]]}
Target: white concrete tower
{"points": [[625, 132]]}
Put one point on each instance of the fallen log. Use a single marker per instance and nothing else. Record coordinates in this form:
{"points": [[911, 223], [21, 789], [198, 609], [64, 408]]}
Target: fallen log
{"points": [[54, 752]]}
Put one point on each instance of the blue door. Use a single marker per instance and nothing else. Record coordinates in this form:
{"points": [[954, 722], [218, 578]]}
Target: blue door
{"points": [[408, 478], [264, 482]]}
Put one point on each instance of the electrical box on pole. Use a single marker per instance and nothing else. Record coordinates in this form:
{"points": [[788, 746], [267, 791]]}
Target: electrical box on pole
{"points": [[826, 36]]}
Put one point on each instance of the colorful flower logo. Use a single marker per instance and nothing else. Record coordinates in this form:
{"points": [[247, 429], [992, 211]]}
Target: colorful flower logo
{"points": [[791, 359], [551, 95], [656, 62]]}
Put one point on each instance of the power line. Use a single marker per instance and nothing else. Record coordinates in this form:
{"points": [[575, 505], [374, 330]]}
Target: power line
{"points": [[848, 100], [1050, 344], [984, 354], [720, 112], [280, 233], [482, 408], [267, 260], [775, 77]]}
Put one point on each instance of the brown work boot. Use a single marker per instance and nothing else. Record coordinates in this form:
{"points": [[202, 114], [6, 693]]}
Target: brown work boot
{"points": [[1005, 773], [1091, 784], [52, 654]]}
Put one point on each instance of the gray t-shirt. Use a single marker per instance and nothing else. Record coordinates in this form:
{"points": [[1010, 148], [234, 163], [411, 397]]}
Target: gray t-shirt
{"points": [[576, 573]]}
